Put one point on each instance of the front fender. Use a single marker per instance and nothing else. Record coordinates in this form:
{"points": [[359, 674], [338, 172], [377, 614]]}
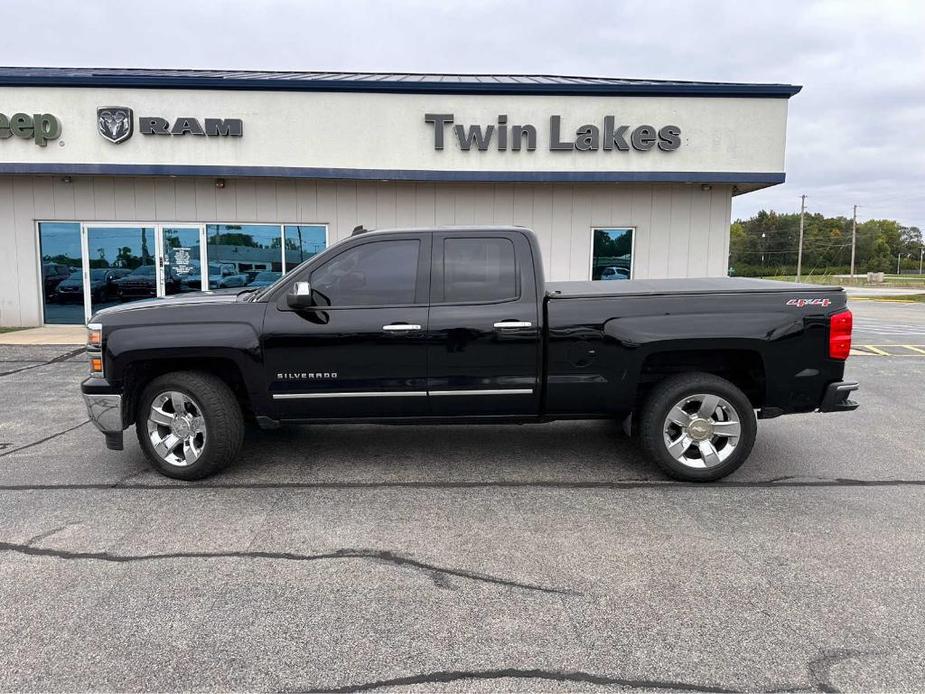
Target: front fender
{"points": [[239, 343]]}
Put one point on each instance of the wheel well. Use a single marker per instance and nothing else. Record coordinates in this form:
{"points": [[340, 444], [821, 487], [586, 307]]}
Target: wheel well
{"points": [[138, 375], [744, 368]]}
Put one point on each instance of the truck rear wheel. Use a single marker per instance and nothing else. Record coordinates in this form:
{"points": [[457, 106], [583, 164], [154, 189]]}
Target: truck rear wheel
{"points": [[189, 424], [697, 427]]}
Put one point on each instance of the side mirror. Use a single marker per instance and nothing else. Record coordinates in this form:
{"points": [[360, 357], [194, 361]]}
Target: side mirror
{"points": [[300, 295]]}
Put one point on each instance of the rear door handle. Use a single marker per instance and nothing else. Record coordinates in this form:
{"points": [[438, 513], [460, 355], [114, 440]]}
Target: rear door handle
{"points": [[513, 324], [400, 327]]}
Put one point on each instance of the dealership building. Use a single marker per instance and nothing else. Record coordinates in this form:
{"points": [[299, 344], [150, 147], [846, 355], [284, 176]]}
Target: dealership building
{"points": [[117, 185]]}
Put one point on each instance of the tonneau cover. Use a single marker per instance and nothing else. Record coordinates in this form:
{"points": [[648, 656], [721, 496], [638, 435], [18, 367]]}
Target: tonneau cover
{"points": [[688, 285]]}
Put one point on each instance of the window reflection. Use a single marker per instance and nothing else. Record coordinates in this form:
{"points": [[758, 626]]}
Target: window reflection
{"points": [[612, 255], [123, 260], [302, 242], [59, 244], [240, 252]]}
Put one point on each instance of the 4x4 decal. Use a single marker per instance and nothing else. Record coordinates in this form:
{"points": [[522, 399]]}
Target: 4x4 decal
{"points": [[800, 303]]}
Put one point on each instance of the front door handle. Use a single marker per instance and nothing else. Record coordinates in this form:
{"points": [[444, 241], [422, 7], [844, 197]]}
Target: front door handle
{"points": [[400, 327], [513, 324]]}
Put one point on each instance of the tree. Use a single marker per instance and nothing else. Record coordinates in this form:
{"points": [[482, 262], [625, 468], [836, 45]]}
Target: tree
{"points": [[881, 258], [766, 244]]}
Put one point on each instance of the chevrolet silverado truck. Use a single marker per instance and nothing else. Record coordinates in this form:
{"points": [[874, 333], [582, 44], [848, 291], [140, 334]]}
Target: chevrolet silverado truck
{"points": [[458, 325]]}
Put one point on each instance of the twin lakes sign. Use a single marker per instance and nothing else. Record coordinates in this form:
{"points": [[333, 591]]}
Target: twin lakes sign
{"points": [[587, 137], [117, 124]]}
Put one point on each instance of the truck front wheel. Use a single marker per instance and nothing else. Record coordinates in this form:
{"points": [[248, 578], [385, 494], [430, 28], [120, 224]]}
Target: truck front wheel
{"points": [[697, 427], [189, 424]]}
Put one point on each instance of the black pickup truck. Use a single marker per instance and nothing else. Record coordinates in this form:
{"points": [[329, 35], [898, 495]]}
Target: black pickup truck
{"points": [[422, 326]]}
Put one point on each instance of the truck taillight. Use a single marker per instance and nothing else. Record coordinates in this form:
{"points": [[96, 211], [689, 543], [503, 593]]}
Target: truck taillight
{"points": [[840, 334]]}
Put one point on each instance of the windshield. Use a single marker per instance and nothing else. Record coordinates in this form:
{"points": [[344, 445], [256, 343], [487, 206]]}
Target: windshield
{"points": [[98, 274], [74, 275]]}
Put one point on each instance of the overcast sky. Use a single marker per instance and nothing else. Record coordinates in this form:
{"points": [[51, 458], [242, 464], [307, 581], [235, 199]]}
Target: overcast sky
{"points": [[856, 132]]}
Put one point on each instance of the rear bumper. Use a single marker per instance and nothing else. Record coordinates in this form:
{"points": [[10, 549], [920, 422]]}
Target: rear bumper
{"points": [[836, 397]]}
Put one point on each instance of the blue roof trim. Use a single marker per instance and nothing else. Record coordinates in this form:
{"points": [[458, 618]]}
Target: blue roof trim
{"points": [[763, 178], [384, 82]]}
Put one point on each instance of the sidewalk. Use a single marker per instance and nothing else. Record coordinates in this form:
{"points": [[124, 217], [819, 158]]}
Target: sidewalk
{"points": [[46, 335]]}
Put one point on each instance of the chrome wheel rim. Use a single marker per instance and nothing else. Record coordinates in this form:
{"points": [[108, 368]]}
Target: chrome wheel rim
{"points": [[702, 431], [176, 428]]}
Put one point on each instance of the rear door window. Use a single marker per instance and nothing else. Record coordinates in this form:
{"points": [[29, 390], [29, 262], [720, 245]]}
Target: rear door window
{"points": [[479, 269]]}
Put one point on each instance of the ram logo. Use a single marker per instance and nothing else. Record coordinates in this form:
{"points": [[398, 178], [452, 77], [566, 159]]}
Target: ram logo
{"points": [[800, 303], [115, 123]]}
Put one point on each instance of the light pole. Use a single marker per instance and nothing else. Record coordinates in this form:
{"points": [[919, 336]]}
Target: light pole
{"points": [[800, 250], [854, 237], [921, 256]]}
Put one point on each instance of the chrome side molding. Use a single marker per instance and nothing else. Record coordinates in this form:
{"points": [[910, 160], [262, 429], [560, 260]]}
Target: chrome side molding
{"points": [[401, 393], [485, 391]]}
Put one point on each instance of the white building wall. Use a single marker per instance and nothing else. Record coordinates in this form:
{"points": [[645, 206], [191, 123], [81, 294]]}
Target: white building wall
{"points": [[681, 230]]}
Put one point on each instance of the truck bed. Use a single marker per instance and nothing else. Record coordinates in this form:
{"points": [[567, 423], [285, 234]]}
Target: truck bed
{"points": [[693, 285]]}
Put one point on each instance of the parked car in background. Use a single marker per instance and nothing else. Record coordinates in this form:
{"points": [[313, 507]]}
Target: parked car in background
{"points": [[54, 274], [141, 283], [221, 276], [264, 279], [615, 273], [103, 285]]}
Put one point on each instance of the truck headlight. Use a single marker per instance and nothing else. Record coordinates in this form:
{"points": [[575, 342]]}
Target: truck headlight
{"points": [[94, 336], [95, 348]]}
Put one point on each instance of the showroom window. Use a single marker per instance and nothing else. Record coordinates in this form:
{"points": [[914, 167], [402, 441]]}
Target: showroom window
{"points": [[59, 244], [302, 242], [612, 253], [235, 255]]}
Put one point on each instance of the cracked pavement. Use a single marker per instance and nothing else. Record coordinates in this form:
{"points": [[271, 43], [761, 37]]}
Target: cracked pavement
{"points": [[543, 557]]}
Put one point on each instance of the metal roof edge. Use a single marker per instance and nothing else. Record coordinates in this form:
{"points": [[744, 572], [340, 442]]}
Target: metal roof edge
{"points": [[744, 178], [642, 88]]}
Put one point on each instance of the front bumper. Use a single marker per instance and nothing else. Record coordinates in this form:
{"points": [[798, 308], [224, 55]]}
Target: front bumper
{"points": [[105, 412], [836, 397]]}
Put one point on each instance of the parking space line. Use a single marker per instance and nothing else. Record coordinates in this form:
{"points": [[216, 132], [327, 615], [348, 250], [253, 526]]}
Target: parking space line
{"points": [[887, 351]]}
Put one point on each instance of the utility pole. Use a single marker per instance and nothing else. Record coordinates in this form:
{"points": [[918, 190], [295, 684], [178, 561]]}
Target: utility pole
{"points": [[800, 250], [898, 259], [921, 257], [854, 238]]}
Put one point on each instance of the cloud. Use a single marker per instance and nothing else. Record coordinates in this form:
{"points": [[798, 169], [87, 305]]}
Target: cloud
{"points": [[855, 132]]}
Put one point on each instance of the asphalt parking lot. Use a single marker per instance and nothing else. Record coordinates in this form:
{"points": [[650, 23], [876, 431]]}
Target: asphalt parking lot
{"points": [[546, 557]]}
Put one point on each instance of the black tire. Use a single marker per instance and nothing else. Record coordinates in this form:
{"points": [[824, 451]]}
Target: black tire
{"points": [[654, 419], [220, 410]]}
